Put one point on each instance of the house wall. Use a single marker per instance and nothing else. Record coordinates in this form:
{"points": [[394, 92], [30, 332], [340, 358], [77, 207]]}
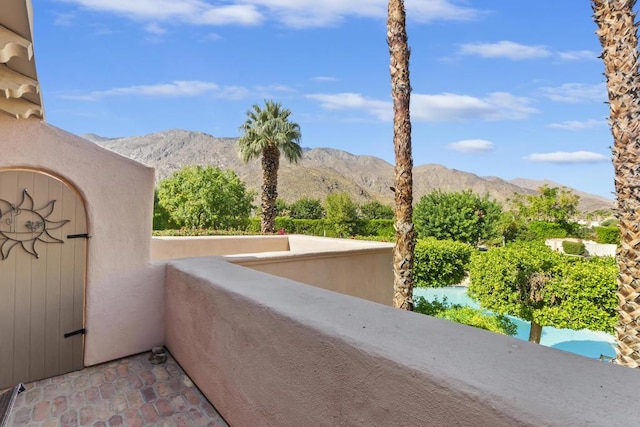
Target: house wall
{"points": [[122, 288], [267, 351]]}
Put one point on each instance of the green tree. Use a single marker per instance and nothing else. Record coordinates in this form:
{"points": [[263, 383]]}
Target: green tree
{"points": [[341, 212], [530, 281], [550, 204], [161, 218], [466, 315], [205, 197], [306, 208], [460, 216], [267, 133], [375, 210]]}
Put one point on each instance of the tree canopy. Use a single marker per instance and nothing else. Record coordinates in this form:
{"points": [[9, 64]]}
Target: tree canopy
{"points": [[306, 208], [551, 204], [460, 216], [375, 210], [534, 283], [341, 211], [205, 197]]}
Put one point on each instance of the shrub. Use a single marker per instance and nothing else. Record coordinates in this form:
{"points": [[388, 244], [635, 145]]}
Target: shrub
{"points": [[465, 315], [440, 262], [547, 230], [573, 248], [608, 235]]}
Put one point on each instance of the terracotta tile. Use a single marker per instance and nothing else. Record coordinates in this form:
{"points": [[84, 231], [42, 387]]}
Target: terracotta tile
{"points": [[149, 412], [96, 379], [179, 404], [103, 410], [59, 406], [116, 420], [149, 394], [182, 420], [92, 395], [164, 407], [41, 410], [192, 397], [32, 396], [123, 371], [147, 377], [76, 400], [107, 390], [118, 403], [160, 373], [110, 374], [21, 417], [69, 419], [163, 390], [87, 416], [135, 399], [133, 418]]}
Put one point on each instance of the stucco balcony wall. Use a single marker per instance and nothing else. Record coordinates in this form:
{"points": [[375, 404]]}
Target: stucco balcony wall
{"points": [[351, 267], [268, 351]]}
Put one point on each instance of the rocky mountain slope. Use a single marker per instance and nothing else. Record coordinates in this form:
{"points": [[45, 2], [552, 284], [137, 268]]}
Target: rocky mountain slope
{"points": [[320, 172]]}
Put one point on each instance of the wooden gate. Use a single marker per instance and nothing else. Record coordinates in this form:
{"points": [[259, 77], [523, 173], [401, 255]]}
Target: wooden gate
{"points": [[42, 277]]}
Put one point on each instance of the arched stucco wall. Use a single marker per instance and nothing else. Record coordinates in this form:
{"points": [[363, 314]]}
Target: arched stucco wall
{"points": [[123, 289]]}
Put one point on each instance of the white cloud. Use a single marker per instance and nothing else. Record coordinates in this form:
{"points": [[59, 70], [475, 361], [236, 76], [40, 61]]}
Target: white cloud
{"points": [[578, 125], [504, 49], [179, 88], [185, 88], [64, 19], [577, 55], [573, 93], [294, 13], [383, 110], [444, 107], [324, 79], [197, 12], [155, 29], [565, 157], [448, 107], [472, 146]]}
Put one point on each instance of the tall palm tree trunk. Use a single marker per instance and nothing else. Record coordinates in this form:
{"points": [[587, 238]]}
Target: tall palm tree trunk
{"points": [[617, 31], [403, 252], [270, 165]]}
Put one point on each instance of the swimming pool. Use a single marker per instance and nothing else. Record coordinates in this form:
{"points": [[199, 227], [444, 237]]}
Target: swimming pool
{"points": [[584, 342]]}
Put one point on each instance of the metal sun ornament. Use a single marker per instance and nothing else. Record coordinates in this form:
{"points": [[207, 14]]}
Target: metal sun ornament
{"points": [[24, 226]]}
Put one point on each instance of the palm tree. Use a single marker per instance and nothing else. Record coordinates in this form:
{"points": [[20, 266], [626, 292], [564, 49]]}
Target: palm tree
{"points": [[267, 132], [617, 31], [403, 182]]}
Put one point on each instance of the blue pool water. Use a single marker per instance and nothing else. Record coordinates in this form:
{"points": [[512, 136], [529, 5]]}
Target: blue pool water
{"points": [[584, 342]]}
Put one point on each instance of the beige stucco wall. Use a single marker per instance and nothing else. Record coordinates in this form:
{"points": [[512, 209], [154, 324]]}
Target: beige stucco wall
{"points": [[118, 195], [268, 351], [175, 247], [362, 273], [351, 267]]}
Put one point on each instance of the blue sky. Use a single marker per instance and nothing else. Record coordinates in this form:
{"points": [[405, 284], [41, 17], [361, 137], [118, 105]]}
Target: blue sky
{"points": [[500, 88]]}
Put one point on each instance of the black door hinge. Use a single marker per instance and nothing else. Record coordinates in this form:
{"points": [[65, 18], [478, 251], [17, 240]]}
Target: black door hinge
{"points": [[78, 236], [78, 332]]}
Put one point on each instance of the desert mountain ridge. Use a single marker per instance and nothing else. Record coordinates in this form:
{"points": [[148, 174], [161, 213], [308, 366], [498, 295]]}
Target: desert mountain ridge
{"points": [[320, 172]]}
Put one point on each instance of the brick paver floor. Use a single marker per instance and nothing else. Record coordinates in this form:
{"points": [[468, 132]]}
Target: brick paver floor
{"points": [[126, 392]]}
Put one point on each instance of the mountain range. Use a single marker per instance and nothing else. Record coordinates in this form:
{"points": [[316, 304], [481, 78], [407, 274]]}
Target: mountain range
{"points": [[320, 172]]}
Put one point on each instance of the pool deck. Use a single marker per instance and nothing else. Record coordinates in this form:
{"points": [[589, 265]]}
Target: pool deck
{"points": [[126, 392]]}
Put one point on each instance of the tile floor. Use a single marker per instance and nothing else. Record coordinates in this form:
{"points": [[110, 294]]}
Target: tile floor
{"points": [[126, 392]]}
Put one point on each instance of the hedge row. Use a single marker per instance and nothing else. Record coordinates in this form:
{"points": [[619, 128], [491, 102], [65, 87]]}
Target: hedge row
{"points": [[440, 262], [321, 227]]}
